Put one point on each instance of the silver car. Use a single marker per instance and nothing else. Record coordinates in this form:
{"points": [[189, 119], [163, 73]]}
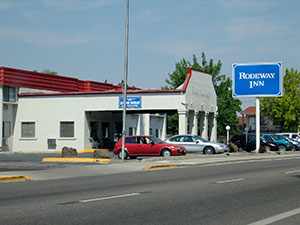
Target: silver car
{"points": [[197, 144]]}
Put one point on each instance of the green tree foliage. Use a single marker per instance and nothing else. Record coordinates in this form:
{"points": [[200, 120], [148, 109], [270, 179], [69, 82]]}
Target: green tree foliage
{"points": [[47, 72], [285, 110], [178, 76], [227, 106]]}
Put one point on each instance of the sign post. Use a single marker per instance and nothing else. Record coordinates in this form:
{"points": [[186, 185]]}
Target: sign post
{"points": [[257, 80]]}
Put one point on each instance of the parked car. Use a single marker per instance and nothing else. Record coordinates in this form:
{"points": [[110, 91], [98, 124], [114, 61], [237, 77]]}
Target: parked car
{"points": [[145, 146], [239, 140], [197, 144], [296, 144], [294, 136], [283, 144]]}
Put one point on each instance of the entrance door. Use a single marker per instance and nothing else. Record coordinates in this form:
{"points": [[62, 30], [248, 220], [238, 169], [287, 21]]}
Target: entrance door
{"points": [[6, 139]]}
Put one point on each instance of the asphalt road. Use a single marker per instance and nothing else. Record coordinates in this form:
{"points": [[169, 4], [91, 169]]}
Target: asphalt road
{"points": [[241, 193]]}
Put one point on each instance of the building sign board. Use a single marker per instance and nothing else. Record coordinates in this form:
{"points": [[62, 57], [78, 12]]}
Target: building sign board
{"points": [[257, 79], [131, 103]]}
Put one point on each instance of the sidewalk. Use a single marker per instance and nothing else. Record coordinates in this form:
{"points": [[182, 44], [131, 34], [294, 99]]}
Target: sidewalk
{"points": [[38, 170]]}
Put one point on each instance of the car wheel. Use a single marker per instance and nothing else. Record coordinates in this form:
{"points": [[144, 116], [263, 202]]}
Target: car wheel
{"points": [[294, 148], [282, 148], [209, 150], [166, 153], [120, 154], [268, 148]]}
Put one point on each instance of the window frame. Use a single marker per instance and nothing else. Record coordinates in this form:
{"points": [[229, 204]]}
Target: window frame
{"points": [[59, 129], [28, 138], [9, 94]]}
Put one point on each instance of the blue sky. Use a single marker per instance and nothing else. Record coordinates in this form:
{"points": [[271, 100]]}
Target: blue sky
{"points": [[86, 38]]}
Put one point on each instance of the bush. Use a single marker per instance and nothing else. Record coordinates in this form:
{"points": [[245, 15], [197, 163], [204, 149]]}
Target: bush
{"points": [[68, 152], [233, 147]]}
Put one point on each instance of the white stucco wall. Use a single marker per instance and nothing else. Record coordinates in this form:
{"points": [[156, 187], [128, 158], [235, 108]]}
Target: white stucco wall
{"points": [[200, 93]]}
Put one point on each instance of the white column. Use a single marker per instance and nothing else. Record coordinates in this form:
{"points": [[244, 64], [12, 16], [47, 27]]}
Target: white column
{"points": [[194, 122], [147, 124], [205, 126], [213, 134], [182, 122], [138, 127], [1, 115], [164, 128]]}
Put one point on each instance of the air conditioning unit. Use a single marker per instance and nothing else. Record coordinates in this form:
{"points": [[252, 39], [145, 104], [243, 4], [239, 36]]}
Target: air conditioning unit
{"points": [[51, 141]]}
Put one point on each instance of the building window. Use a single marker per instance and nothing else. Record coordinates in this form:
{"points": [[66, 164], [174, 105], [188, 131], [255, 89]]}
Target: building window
{"points": [[28, 130], [67, 129], [6, 131], [9, 94]]}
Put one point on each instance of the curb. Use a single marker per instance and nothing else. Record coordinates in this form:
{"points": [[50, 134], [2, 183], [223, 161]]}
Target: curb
{"points": [[89, 160], [85, 151], [155, 167], [13, 178]]}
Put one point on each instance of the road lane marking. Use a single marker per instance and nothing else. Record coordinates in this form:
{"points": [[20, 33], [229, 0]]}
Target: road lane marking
{"points": [[109, 197], [229, 181], [277, 217], [292, 171]]}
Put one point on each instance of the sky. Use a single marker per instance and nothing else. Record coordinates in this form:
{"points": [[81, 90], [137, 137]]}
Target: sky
{"points": [[85, 39]]}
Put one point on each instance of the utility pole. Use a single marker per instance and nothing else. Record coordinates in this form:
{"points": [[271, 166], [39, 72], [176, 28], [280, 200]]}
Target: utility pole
{"points": [[125, 80]]}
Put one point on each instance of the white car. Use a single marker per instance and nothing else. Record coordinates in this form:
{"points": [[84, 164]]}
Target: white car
{"points": [[197, 144], [294, 136]]}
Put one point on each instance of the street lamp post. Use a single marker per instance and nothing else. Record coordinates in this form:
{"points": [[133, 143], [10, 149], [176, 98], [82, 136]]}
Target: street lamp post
{"points": [[125, 80], [227, 129]]}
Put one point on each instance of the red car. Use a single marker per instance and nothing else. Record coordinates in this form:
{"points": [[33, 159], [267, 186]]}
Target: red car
{"points": [[147, 145]]}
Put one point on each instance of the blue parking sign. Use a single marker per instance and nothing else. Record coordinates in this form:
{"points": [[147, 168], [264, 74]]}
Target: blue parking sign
{"points": [[131, 103], [257, 79]]}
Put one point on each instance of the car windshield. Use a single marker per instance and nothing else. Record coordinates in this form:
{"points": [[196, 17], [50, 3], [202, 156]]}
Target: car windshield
{"points": [[275, 137], [281, 137], [157, 140], [202, 139]]}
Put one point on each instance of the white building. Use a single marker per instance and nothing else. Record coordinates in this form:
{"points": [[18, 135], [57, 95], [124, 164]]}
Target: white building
{"points": [[44, 113]]}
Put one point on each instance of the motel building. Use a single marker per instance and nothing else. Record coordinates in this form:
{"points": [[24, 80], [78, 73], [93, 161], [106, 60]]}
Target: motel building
{"points": [[44, 113]]}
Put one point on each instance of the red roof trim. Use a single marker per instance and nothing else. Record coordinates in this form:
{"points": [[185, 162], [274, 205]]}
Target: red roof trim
{"points": [[35, 80], [117, 92], [85, 88], [187, 79]]}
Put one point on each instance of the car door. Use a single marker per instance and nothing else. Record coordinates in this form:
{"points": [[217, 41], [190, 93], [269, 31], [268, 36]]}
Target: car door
{"points": [[182, 140], [131, 145], [200, 145], [150, 147]]}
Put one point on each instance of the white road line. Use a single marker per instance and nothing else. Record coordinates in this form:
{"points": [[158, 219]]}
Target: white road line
{"points": [[277, 217], [229, 181], [292, 171], [109, 197]]}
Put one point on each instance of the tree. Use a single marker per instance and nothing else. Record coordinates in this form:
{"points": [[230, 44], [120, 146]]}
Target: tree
{"points": [[47, 72], [227, 106], [178, 76], [285, 110]]}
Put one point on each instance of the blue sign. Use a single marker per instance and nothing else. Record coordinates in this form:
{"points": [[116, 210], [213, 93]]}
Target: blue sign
{"points": [[131, 103], [257, 79]]}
